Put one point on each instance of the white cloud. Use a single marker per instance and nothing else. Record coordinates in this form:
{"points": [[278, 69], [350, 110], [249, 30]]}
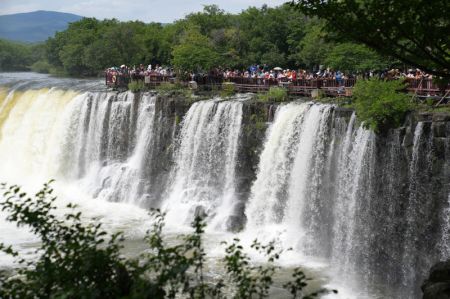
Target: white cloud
{"points": [[144, 10]]}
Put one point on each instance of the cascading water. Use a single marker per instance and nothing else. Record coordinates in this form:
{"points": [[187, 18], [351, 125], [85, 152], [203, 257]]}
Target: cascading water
{"points": [[31, 130], [204, 177], [373, 208], [326, 188], [305, 181], [267, 204], [122, 142], [353, 200], [99, 138], [445, 238], [44, 133], [419, 206], [289, 175]]}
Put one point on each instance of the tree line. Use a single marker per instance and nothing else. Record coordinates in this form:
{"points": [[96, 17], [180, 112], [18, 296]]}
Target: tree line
{"points": [[15, 56], [282, 36]]}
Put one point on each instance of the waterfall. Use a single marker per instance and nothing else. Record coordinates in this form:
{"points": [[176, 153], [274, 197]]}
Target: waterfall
{"points": [[203, 180], [107, 144], [420, 205], [285, 198], [116, 142], [101, 140], [31, 125], [353, 205], [326, 188], [304, 206], [266, 206], [373, 209], [445, 239]]}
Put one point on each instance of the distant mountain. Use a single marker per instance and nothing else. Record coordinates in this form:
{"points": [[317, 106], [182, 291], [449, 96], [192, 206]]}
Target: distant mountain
{"points": [[34, 26]]}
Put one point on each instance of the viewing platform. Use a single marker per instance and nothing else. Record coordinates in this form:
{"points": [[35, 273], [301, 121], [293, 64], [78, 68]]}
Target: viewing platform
{"points": [[299, 87]]}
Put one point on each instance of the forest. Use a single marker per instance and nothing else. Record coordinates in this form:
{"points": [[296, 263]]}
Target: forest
{"points": [[282, 36]]}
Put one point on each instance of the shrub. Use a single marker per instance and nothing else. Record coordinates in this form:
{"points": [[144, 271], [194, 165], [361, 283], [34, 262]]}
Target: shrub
{"points": [[166, 86], [227, 90], [41, 66], [75, 259], [176, 88], [80, 261], [381, 104], [258, 121], [275, 94], [136, 86]]}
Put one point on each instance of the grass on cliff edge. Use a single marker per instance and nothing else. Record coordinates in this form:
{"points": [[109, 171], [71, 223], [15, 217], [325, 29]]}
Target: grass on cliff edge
{"points": [[275, 94]]}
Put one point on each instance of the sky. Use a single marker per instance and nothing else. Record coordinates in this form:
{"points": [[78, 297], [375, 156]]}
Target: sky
{"points": [[164, 11]]}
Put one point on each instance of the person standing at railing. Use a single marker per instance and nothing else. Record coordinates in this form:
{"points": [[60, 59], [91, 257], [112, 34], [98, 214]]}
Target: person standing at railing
{"points": [[339, 78], [261, 76], [272, 74], [147, 76], [288, 74], [410, 74], [293, 76]]}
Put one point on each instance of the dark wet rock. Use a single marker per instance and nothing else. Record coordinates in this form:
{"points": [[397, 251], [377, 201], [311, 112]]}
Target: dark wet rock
{"points": [[235, 223], [440, 129], [437, 286], [424, 116], [200, 212], [408, 138], [441, 117]]}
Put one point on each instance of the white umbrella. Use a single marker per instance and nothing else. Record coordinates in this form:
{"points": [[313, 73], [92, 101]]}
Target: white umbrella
{"points": [[277, 68]]}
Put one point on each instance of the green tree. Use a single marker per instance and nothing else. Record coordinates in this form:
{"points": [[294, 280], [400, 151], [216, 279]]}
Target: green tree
{"points": [[381, 104], [312, 49], [280, 36], [268, 34], [354, 57], [158, 43], [89, 46], [413, 31], [195, 53], [73, 44], [210, 19], [15, 56]]}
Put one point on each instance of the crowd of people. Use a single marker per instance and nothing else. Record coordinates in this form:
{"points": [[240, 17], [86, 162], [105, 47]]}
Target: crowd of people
{"points": [[263, 72], [256, 71], [124, 73]]}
